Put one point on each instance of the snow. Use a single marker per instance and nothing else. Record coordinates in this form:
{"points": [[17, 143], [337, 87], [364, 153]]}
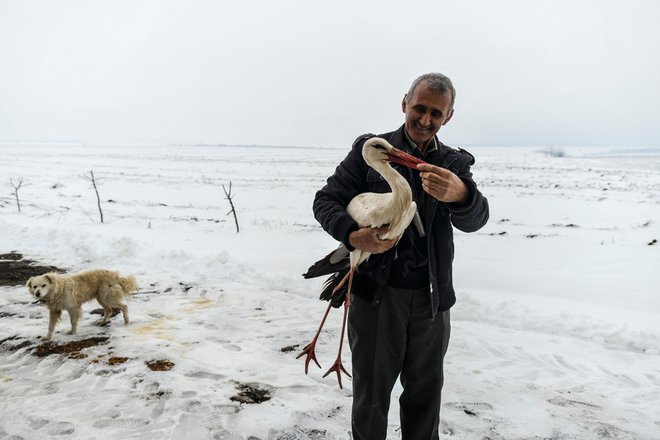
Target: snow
{"points": [[555, 335]]}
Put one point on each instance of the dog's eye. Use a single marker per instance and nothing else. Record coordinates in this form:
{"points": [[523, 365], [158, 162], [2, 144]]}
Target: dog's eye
{"points": [[43, 285]]}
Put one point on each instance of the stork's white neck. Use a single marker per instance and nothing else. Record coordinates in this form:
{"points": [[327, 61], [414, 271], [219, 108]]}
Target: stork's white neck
{"points": [[401, 193]]}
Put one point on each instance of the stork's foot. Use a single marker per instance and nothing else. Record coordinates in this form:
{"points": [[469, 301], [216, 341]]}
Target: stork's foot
{"points": [[338, 367], [311, 354]]}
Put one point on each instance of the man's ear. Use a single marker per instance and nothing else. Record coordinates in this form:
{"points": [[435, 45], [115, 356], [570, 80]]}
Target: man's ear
{"points": [[451, 113], [403, 103]]}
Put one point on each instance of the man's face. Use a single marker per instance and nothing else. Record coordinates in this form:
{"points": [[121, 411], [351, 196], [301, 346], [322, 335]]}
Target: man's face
{"points": [[426, 112]]}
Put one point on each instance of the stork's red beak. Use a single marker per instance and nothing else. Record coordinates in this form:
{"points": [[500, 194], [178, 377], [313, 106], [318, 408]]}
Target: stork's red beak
{"points": [[403, 158]]}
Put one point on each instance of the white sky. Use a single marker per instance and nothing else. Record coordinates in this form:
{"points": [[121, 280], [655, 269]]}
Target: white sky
{"points": [[561, 72]]}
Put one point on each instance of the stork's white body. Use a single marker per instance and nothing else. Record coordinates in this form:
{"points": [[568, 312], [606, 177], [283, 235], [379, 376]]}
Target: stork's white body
{"points": [[374, 210]]}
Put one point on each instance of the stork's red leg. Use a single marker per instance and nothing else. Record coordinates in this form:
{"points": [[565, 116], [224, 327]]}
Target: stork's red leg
{"points": [[309, 348], [338, 367]]}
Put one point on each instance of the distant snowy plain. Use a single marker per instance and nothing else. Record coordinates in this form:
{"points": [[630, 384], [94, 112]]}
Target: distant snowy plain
{"points": [[555, 335]]}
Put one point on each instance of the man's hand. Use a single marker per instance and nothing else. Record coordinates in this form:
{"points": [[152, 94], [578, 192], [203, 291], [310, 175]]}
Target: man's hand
{"points": [[442, 184], [366, 239]]}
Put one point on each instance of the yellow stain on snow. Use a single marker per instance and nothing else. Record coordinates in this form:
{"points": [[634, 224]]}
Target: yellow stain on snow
{"points": [[198, 304], [155, 329]]}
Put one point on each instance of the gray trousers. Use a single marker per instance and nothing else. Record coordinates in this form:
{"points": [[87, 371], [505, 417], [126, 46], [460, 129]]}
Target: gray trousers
{"points": [[396, 337]]}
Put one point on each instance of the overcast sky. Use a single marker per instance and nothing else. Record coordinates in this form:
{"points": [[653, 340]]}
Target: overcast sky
{"points": [[527, 72]]}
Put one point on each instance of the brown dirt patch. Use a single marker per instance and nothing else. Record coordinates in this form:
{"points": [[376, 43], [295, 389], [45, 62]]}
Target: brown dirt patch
{"points": [[160, 365], [16, 270], [251, 393], [72, 350], [116, 360]]}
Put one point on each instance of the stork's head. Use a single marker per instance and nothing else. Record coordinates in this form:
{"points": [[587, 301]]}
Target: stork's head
{"points": [[378, 149]]}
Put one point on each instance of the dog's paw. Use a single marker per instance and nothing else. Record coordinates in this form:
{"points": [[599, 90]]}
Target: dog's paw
{"points": [[45, 338], [71, 332]]}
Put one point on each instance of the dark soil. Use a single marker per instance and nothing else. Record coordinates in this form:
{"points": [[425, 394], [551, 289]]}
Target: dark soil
{"points": [[15, 270], [160, 365], [250, 393], [290, 348], [116, 360], [8, 343], [72, 350]]}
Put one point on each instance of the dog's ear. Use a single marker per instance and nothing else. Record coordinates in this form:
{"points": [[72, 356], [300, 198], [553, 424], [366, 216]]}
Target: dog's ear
{"points": [[49, 278], [29, 283]]}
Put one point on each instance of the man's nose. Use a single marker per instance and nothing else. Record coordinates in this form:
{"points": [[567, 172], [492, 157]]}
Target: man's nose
{"points": [[425, 119]]}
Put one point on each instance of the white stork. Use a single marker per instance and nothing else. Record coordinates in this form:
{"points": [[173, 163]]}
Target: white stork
{"points": [[373, 210]]}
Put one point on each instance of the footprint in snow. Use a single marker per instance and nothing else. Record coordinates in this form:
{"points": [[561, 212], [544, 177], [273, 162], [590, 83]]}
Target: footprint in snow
{"points": [[471, 406], [205, 375], [61, 428], [121, 423], [561, 401]]}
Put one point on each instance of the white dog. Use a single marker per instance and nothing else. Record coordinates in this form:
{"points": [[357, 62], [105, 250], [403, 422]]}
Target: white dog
{"points": [[69, 292]]}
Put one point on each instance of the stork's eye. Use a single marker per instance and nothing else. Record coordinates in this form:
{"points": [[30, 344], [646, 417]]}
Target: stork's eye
{"points": [[379, 146]]}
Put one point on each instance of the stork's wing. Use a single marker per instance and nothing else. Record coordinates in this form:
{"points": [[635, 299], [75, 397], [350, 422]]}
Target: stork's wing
{"points": [[371, 210], [335, 261]]}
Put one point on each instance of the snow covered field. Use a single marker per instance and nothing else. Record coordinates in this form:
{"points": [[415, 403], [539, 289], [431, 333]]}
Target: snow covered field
{"points": [[556, 333]]}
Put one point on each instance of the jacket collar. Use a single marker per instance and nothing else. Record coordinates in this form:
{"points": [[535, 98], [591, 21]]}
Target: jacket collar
{"points": [[401, 140]]}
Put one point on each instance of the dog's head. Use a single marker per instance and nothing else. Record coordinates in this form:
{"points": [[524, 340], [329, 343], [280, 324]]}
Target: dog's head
{"points": [[41, 286]]}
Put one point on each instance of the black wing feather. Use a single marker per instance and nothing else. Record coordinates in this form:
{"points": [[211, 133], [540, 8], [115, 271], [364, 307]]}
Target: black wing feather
{"points": [[332, 263], [337, 299]]}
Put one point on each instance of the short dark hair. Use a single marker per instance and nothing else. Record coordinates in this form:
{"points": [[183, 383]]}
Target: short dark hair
{"points": [[435, 81]]}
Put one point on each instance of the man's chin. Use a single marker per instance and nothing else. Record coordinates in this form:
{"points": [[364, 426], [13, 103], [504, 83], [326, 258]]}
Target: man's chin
{"points": [[421, 139]]}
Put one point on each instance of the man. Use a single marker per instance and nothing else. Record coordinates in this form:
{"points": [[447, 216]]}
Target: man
{"points": [[398, 322]]}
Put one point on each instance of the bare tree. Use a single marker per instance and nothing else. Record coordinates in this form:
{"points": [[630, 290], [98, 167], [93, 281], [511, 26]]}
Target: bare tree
{"points": [[231, 203], [16, 184], [90, 178]]}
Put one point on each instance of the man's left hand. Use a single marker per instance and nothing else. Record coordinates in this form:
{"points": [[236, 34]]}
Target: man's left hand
{"points": [[442, 184]]}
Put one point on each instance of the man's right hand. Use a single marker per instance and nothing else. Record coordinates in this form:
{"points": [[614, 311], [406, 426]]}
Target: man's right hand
{"points": [[367, 239]]}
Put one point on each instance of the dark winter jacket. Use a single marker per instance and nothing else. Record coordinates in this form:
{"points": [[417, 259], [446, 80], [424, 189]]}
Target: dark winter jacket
{"points": [[353, 176]]}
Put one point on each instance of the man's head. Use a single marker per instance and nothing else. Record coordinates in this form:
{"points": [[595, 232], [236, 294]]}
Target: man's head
{"points": [[428, 105]]}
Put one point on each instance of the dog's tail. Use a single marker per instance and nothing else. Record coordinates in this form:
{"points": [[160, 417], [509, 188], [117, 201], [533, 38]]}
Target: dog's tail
{"points": [[128, 284]]}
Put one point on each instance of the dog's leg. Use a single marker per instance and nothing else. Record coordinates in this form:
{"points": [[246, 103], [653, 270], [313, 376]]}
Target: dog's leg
{"points": [[107, 314], [116, 294], [74, 316], [124, 311], [53, 319]]}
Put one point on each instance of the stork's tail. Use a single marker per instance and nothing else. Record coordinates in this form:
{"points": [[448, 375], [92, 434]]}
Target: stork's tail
{"points": [[334, 262], [330, 285]]}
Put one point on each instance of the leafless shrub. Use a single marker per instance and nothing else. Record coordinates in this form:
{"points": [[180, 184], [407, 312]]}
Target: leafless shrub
{"points": [[231, 203], [16, 183], [90, 178]]}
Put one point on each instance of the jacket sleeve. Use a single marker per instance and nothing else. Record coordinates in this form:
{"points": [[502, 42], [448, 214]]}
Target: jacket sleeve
{"points": [[348, 180], [472, 215]]}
